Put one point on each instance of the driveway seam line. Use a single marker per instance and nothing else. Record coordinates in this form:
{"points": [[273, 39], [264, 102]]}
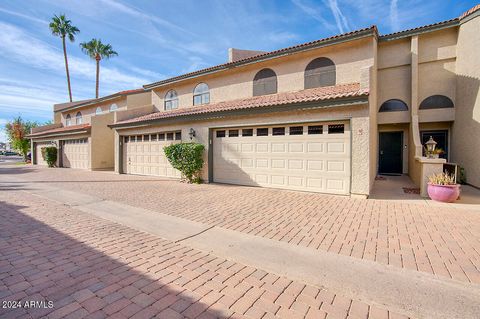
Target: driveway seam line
{"points": [[194, 235]]}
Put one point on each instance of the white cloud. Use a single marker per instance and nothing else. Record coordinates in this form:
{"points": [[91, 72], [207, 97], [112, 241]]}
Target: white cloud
{"points": [[394, 22], [340, 19], [139, 14], [20, 46], [313, 12], [24, 16]]}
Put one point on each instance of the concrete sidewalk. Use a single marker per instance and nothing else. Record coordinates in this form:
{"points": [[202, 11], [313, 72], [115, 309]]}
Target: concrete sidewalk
{"points": [[416, 294]]}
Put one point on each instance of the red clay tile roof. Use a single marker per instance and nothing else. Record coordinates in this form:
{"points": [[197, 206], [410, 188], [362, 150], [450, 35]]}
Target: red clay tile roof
{"points": [[309, 95], [361, 32], [409, 32], [469, 12], [65, 129]]}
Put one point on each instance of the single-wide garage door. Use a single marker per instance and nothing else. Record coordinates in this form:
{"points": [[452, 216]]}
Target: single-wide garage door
{"points": [[312, 157], [76, 153], [38, 152], [143, 154]]}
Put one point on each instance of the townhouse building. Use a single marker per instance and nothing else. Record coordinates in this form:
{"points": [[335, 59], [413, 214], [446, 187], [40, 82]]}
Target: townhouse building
{"points": [[324, 116]]}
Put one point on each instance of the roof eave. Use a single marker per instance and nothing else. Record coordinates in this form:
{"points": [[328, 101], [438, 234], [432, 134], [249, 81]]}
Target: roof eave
{"points": [[76, 132], [330, 41], [347, 101], [100, 100], [430, 28]]}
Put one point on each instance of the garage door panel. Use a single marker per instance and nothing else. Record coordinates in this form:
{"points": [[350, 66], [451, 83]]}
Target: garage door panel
{"points": [[143, 155], [314, 162], [76, 153]]}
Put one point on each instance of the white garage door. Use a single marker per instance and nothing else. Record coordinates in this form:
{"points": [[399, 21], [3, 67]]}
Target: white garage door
{"points": [[143, 154], [312, 157], [38, 152], [76, 153]]}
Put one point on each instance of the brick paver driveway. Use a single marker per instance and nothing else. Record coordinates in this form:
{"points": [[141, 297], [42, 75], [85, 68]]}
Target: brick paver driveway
{"points": [[93, 268], [441, 241]]}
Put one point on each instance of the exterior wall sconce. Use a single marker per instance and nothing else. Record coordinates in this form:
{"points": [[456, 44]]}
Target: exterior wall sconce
{"points": [[191, 133], [430, 145]]}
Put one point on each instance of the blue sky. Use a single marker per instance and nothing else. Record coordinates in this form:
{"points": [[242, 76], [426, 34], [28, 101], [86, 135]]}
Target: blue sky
{"points": [[159, 39]]}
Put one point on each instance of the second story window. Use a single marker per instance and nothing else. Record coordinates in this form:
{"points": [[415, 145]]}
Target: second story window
{"points": [[68, 120], [78, 118], [320, 72], [265, 82], [201, 94], [113, 107], [98, 111], [171, 100]]}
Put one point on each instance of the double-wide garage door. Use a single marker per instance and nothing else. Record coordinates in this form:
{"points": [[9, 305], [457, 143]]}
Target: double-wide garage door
{"points": [[313, 157], [143, 154], [76, 153]]}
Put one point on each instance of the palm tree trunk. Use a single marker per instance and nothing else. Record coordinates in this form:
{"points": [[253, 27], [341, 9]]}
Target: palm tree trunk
{"points": [[66, 67], [98, 76]]}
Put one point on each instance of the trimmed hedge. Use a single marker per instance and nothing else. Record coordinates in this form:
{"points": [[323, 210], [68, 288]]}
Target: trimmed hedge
{"points": [[49, 155], [187, 158]]}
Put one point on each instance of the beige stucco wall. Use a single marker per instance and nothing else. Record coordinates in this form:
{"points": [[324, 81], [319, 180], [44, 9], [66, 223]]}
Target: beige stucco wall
{"points": [[373, 129], [359, 126], [102, 142], [236, 83], [138, 100], [466, 128]]}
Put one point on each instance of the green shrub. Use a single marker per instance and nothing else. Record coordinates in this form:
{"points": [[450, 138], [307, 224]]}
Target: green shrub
{"points": [[49, 155], [187, 158]]}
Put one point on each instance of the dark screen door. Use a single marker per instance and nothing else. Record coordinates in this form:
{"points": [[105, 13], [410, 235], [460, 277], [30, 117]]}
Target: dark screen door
{"points": [[390, 152]]}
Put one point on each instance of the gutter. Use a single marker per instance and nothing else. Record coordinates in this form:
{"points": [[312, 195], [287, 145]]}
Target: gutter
{"points": [[59, 134], [247, 111]]}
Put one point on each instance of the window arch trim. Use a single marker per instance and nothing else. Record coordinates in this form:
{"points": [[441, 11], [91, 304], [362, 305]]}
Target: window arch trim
{"points": [[113, 107], [98, 110], [436, 102], [393, 105], [78, 118], [320, 72], [265, 82], [201, 94], [170, 100]]}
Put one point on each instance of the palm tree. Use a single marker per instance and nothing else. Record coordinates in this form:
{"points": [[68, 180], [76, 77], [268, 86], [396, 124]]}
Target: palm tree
{"points": [[61, 27], [97, 51]]}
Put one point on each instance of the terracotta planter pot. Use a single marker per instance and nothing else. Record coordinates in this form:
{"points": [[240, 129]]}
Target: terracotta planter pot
{"points": [[443, 193]]}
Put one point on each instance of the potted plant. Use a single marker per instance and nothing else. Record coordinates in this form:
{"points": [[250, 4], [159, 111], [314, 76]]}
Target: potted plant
{"points": [[437, 152], [443, 188]]}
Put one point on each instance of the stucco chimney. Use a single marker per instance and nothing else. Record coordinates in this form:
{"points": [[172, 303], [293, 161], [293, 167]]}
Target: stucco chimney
{"points": [[237, 54]]}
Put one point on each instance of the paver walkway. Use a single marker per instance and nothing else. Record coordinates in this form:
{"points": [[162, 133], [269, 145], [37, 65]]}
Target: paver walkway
{"points": [[441, 241], [93, 268]]}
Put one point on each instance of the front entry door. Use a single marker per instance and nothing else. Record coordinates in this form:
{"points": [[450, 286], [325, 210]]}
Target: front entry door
{"points": [[390, 153]]}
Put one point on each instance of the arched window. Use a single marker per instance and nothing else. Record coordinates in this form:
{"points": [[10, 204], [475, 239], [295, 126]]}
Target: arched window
{"points": [[201, 94], [113, 107], [68, 120], [98, 110], [436, 102], [171, 100], [320, 72], [393, 105], [78, 118], [265, 82]]}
